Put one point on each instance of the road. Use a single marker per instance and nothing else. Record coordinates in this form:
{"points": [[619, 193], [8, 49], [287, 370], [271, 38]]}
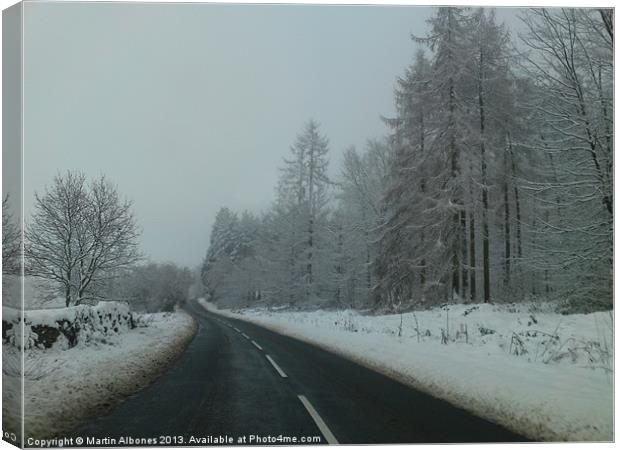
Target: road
{"points": [[238, 379]]}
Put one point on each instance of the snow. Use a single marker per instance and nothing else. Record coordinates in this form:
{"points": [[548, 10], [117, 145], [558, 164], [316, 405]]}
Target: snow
{"points": [[85, 322], [65, 387], [544, 375]]}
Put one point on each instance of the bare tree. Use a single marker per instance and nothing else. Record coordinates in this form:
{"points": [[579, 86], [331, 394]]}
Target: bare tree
{"points": [[81, 235], [571, 65], [11, 237]]}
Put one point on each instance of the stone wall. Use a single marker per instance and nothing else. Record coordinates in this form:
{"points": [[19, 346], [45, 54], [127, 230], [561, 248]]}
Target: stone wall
{"points": [[46, 328]]}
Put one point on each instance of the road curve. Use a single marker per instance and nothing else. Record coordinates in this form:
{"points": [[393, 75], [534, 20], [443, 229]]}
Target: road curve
{"points": [[238, 379]]}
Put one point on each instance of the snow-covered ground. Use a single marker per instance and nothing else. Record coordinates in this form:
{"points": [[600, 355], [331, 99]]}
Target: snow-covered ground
{"points": [[542, 374], [65, 387]]}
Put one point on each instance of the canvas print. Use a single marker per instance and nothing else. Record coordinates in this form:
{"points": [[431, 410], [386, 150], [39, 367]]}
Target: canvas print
{"points": [[236, 224]]}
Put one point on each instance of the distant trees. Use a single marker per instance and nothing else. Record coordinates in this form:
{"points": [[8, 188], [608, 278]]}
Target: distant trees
{"points": [[81, 235], [11, 241], [495, 182], [230, 266], [154, 287], [284, 254]]}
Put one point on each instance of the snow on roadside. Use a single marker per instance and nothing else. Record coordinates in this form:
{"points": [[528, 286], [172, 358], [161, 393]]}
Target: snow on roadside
{"points": [[541, 374], [64, 388]]}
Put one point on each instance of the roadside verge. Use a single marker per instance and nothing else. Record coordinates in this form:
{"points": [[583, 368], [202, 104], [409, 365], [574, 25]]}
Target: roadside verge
{"points": [[65, 388], [545, 401]]}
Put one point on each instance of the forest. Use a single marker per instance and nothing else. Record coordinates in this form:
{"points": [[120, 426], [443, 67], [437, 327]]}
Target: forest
{"points": [[493, 182]]}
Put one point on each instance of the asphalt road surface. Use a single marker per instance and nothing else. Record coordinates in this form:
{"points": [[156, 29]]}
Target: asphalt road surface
{"points": [[237, 379]]}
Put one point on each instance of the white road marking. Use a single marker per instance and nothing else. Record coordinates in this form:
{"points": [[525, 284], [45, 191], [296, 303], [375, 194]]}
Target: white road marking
{"points": [[273, 363], [237, 329], [327, 434], [245, 336], [256, 345]]}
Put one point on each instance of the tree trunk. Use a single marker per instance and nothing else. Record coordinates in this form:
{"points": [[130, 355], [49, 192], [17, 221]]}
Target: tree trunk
{"points": [[423, 190], [339, 268], [506, 226], [68, 296], [311, 211], [310, 256], [472, 247], [486, 270], [517, 202], [464, 248], [456, 263]]}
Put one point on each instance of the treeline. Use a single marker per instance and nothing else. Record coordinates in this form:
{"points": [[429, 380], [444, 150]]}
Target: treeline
{"points": [[495, 182]]}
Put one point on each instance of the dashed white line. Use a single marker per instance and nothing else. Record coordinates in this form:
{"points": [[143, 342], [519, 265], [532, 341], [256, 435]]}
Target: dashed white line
{"points": [[275, 366], [245, 336], [327, 434], [257, 346], [237, 329]]}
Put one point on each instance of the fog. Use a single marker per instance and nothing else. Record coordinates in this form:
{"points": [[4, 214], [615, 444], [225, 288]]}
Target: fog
{"points": [[191, 107]]}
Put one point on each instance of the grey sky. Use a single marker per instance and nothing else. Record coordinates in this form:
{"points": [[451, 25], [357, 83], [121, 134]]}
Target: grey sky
{"points": [[188, 108]]}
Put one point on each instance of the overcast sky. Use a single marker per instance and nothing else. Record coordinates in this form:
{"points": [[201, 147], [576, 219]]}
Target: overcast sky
{"points": [[188, 108]]}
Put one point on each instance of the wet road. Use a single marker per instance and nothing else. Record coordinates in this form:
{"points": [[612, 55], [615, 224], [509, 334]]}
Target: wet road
{"points": [[244, 384]]}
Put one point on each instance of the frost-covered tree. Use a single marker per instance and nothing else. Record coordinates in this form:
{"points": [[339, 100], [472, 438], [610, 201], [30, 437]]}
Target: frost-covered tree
{"points": [[303, 197], [224, 244], [495, 182], [277, 254], [571, 65], [230, 271], [356, 223], [424, 242], [224, 236], [80, 236], [491, 122], [448, 41], [454, 204], [412, 200]]}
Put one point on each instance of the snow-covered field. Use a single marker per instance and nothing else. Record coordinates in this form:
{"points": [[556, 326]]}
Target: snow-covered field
{"points": [[542, 374], [65, 387]]}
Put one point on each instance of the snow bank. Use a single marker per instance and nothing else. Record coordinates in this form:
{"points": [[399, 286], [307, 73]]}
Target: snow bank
{"points": [[44, 328], [541, 374], [65, 388]]}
